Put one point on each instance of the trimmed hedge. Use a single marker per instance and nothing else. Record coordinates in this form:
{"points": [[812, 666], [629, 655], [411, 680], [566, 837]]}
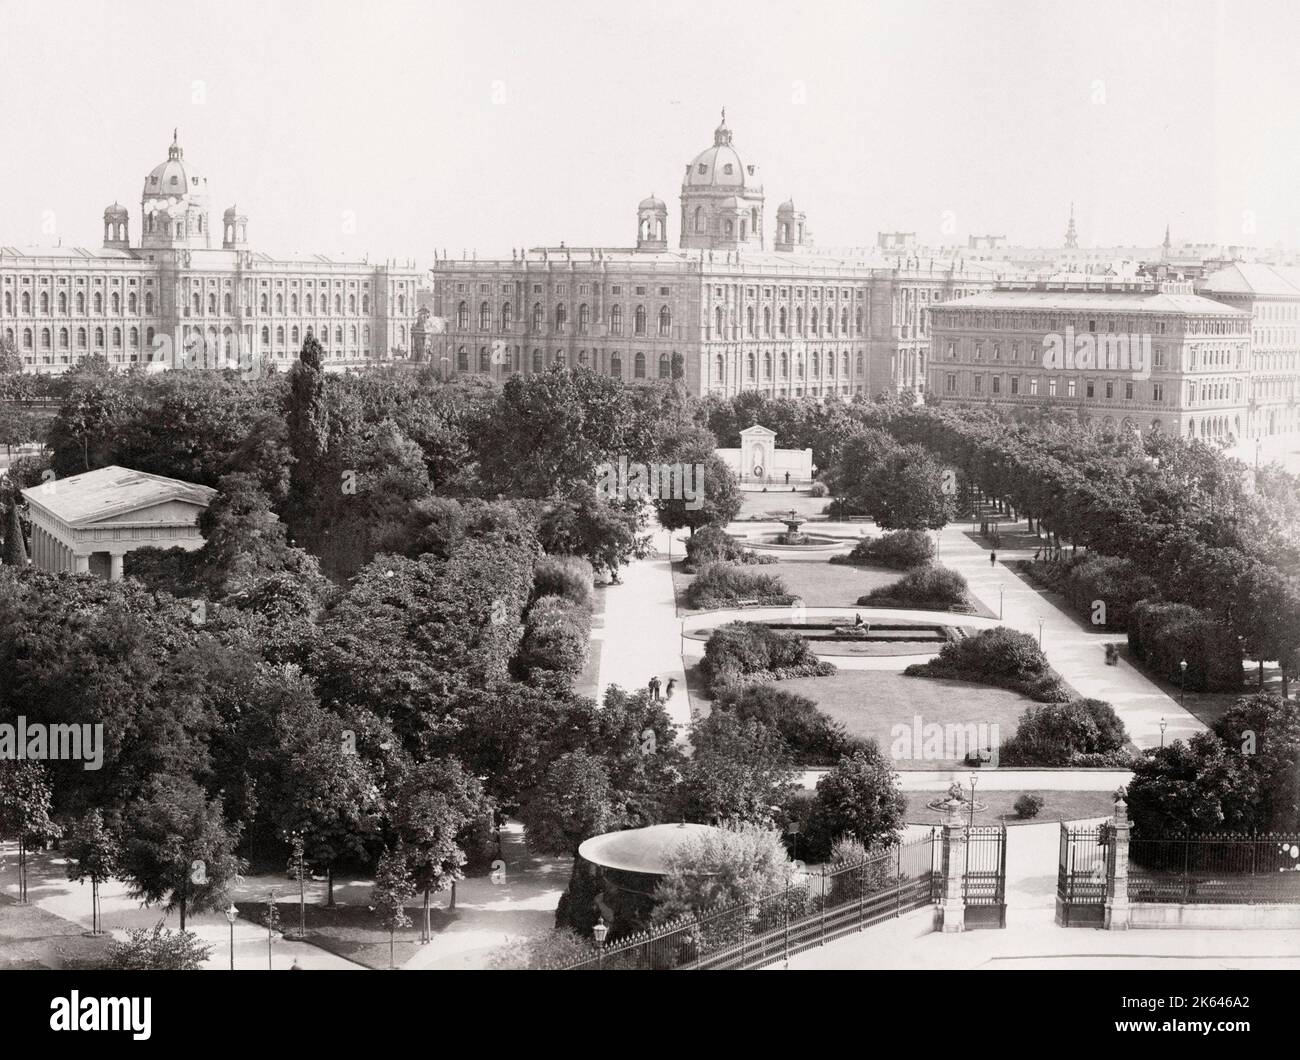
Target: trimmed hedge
{"points": [[814, 738], [1080, 732], [901, 550], [1162, 634], [570, 577], [746, 651], [1085, 580], [999, 656], [924, 587], [711, 544], [557, 634], [726, 584]]}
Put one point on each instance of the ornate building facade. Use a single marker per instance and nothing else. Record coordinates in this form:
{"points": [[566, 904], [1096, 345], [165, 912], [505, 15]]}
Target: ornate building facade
{"points": [[186, 296], [1139, 354], [725, 311]]}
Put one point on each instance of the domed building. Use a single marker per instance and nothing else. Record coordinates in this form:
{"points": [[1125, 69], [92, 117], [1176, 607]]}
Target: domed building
{"points": [[722, 198], [180, 299]]}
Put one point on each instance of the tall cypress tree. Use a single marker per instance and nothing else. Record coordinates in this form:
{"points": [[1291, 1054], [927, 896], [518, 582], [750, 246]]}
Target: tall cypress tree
{"points": [[307, 415], [15, 554]]}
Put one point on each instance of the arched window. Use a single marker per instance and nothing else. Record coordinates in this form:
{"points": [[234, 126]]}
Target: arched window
{"points": [[266, 335], [749, 321], [616, 365], [561, 317], [462, 315], [401, 303], [484, 317], [135, 338], [352, 303], [767, 321], [293, 303], [640, 320], [484, 359], [767, 364], [279, 303], [844, 321], [311, 304], [717, 321], [63, 303], [462, 360], [293, 336], [785, 365], [699, 218], [338, 336], [27, 303], [616, 320], [365, 303], [727, 227], [99, 338], [352, 334], [844, 364], [27, 338], [63, 338], [279, 335], [132, 303], [639, 365], [81, 302], [507, 316], [784, 324], [212, 302], [45, 302], [538, 316], [857, 322], [749, 367], [816, 364], [81, 338], [263, 304], [45, 338], [584, 318], [537, 360], [117, 338], [338, 303], [665, 322], [813, 322], [798, 320], [719, 369], [665, 366]]}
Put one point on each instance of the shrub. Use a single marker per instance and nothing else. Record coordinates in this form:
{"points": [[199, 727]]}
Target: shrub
{"points": [[739, 649], [711, 544], [1028, 806], [1162, 634], [737, 863], [1118, 583], [555, 949], [867, 873], [901, 550], [923, 587], [570, 577], [818, 489], [813, 737], [725, 584], [857, 797], [999, 656], [159, 949], [1057, 734], [556, 635]]}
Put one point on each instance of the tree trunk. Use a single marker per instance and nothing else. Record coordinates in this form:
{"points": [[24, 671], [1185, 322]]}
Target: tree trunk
{"points": [[425, 937], [22, 869], [1261, 675], [452, 905], [182, 914], [94, 906], [329, 876]]}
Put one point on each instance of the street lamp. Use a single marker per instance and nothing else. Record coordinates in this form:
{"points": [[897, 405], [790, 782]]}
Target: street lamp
{"points": [[1163, 725], [1001, 590], [599, 932], [231, 913], [1041, 620], [1182, 682], [974, 779]]}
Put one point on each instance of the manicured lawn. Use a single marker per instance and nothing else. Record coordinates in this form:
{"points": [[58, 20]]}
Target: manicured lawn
{"points": [[352, 931], [818, 582], [872, 702], [774, 503], [31, 937], [1057, 806]]}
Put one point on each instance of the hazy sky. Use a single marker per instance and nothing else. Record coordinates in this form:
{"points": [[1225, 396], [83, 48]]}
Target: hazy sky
{"points": [[519, 122]]}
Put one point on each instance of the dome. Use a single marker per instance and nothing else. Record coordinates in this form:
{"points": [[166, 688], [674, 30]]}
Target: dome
{"points": [[720, 166], [787, 207], [652, 203], [116, 212], [232, 214], [174, 178]]}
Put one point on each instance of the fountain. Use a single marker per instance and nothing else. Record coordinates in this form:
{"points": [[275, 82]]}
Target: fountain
{"points": [[792, 536]]}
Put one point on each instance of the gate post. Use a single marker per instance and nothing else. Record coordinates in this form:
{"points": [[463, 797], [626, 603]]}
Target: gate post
{"points": [[1117, 885], [953, 906]]}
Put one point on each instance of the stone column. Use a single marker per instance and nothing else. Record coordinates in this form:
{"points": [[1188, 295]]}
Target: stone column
{"points": [[80, 563], [115, 566], [1117, 886], [953, 906]]}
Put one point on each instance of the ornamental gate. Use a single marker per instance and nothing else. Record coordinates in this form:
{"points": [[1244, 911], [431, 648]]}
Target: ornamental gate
{"points": [[984, 885], [1085, 873]]}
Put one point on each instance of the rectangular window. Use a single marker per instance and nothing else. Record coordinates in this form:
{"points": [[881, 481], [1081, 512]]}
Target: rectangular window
{"points": [[1128, 391], [1033, 386], [1069, 388], [1015, 384], [979, 384], [1158, 393], [952, 383], [1051, 387], [997, 384], [952, 351], [979, 350], [1110, 389], [1089, 389]]}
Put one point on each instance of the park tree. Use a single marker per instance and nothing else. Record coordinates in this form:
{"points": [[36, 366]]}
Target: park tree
{"points": [[15, 553], [307, 415], [574, 801], [859, 797], [436, 806], [1264, 729], [740, 862], [93, 852], [907, 491], [716, 501], [25, 810], [608, 533], [179, 851], [740, 771], [1202, 785], [394, 887]]}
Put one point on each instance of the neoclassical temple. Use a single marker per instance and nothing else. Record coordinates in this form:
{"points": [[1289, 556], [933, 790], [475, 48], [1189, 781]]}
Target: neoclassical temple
{"points": [[86, 523]]}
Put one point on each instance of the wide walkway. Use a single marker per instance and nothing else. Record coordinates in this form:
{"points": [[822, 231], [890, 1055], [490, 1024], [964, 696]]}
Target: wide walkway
{"points": [[641, 637]]}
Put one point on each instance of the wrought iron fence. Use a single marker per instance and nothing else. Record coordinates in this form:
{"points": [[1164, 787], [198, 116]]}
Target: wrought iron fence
{"points": [[1217, 868], [984, 881], [1084, 872], [814, 909]]}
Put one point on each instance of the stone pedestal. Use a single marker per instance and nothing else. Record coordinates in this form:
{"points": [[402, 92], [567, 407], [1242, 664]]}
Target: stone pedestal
{"points": [[952, 909], [1117, 908]]}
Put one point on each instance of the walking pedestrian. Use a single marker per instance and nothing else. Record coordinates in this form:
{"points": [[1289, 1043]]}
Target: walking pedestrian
{"points": [[993, 559], [654, 689], [668, 691]]}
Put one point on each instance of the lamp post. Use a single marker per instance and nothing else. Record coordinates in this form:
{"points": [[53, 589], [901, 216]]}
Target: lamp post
{"points": [[1182, 682], [1163, 725], [599, 932], [1001, 590], [231, 913], [974, 779], [1041, 620]]}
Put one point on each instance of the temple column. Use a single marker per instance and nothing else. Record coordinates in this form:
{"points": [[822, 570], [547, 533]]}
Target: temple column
{"points": [[115, 566]]}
